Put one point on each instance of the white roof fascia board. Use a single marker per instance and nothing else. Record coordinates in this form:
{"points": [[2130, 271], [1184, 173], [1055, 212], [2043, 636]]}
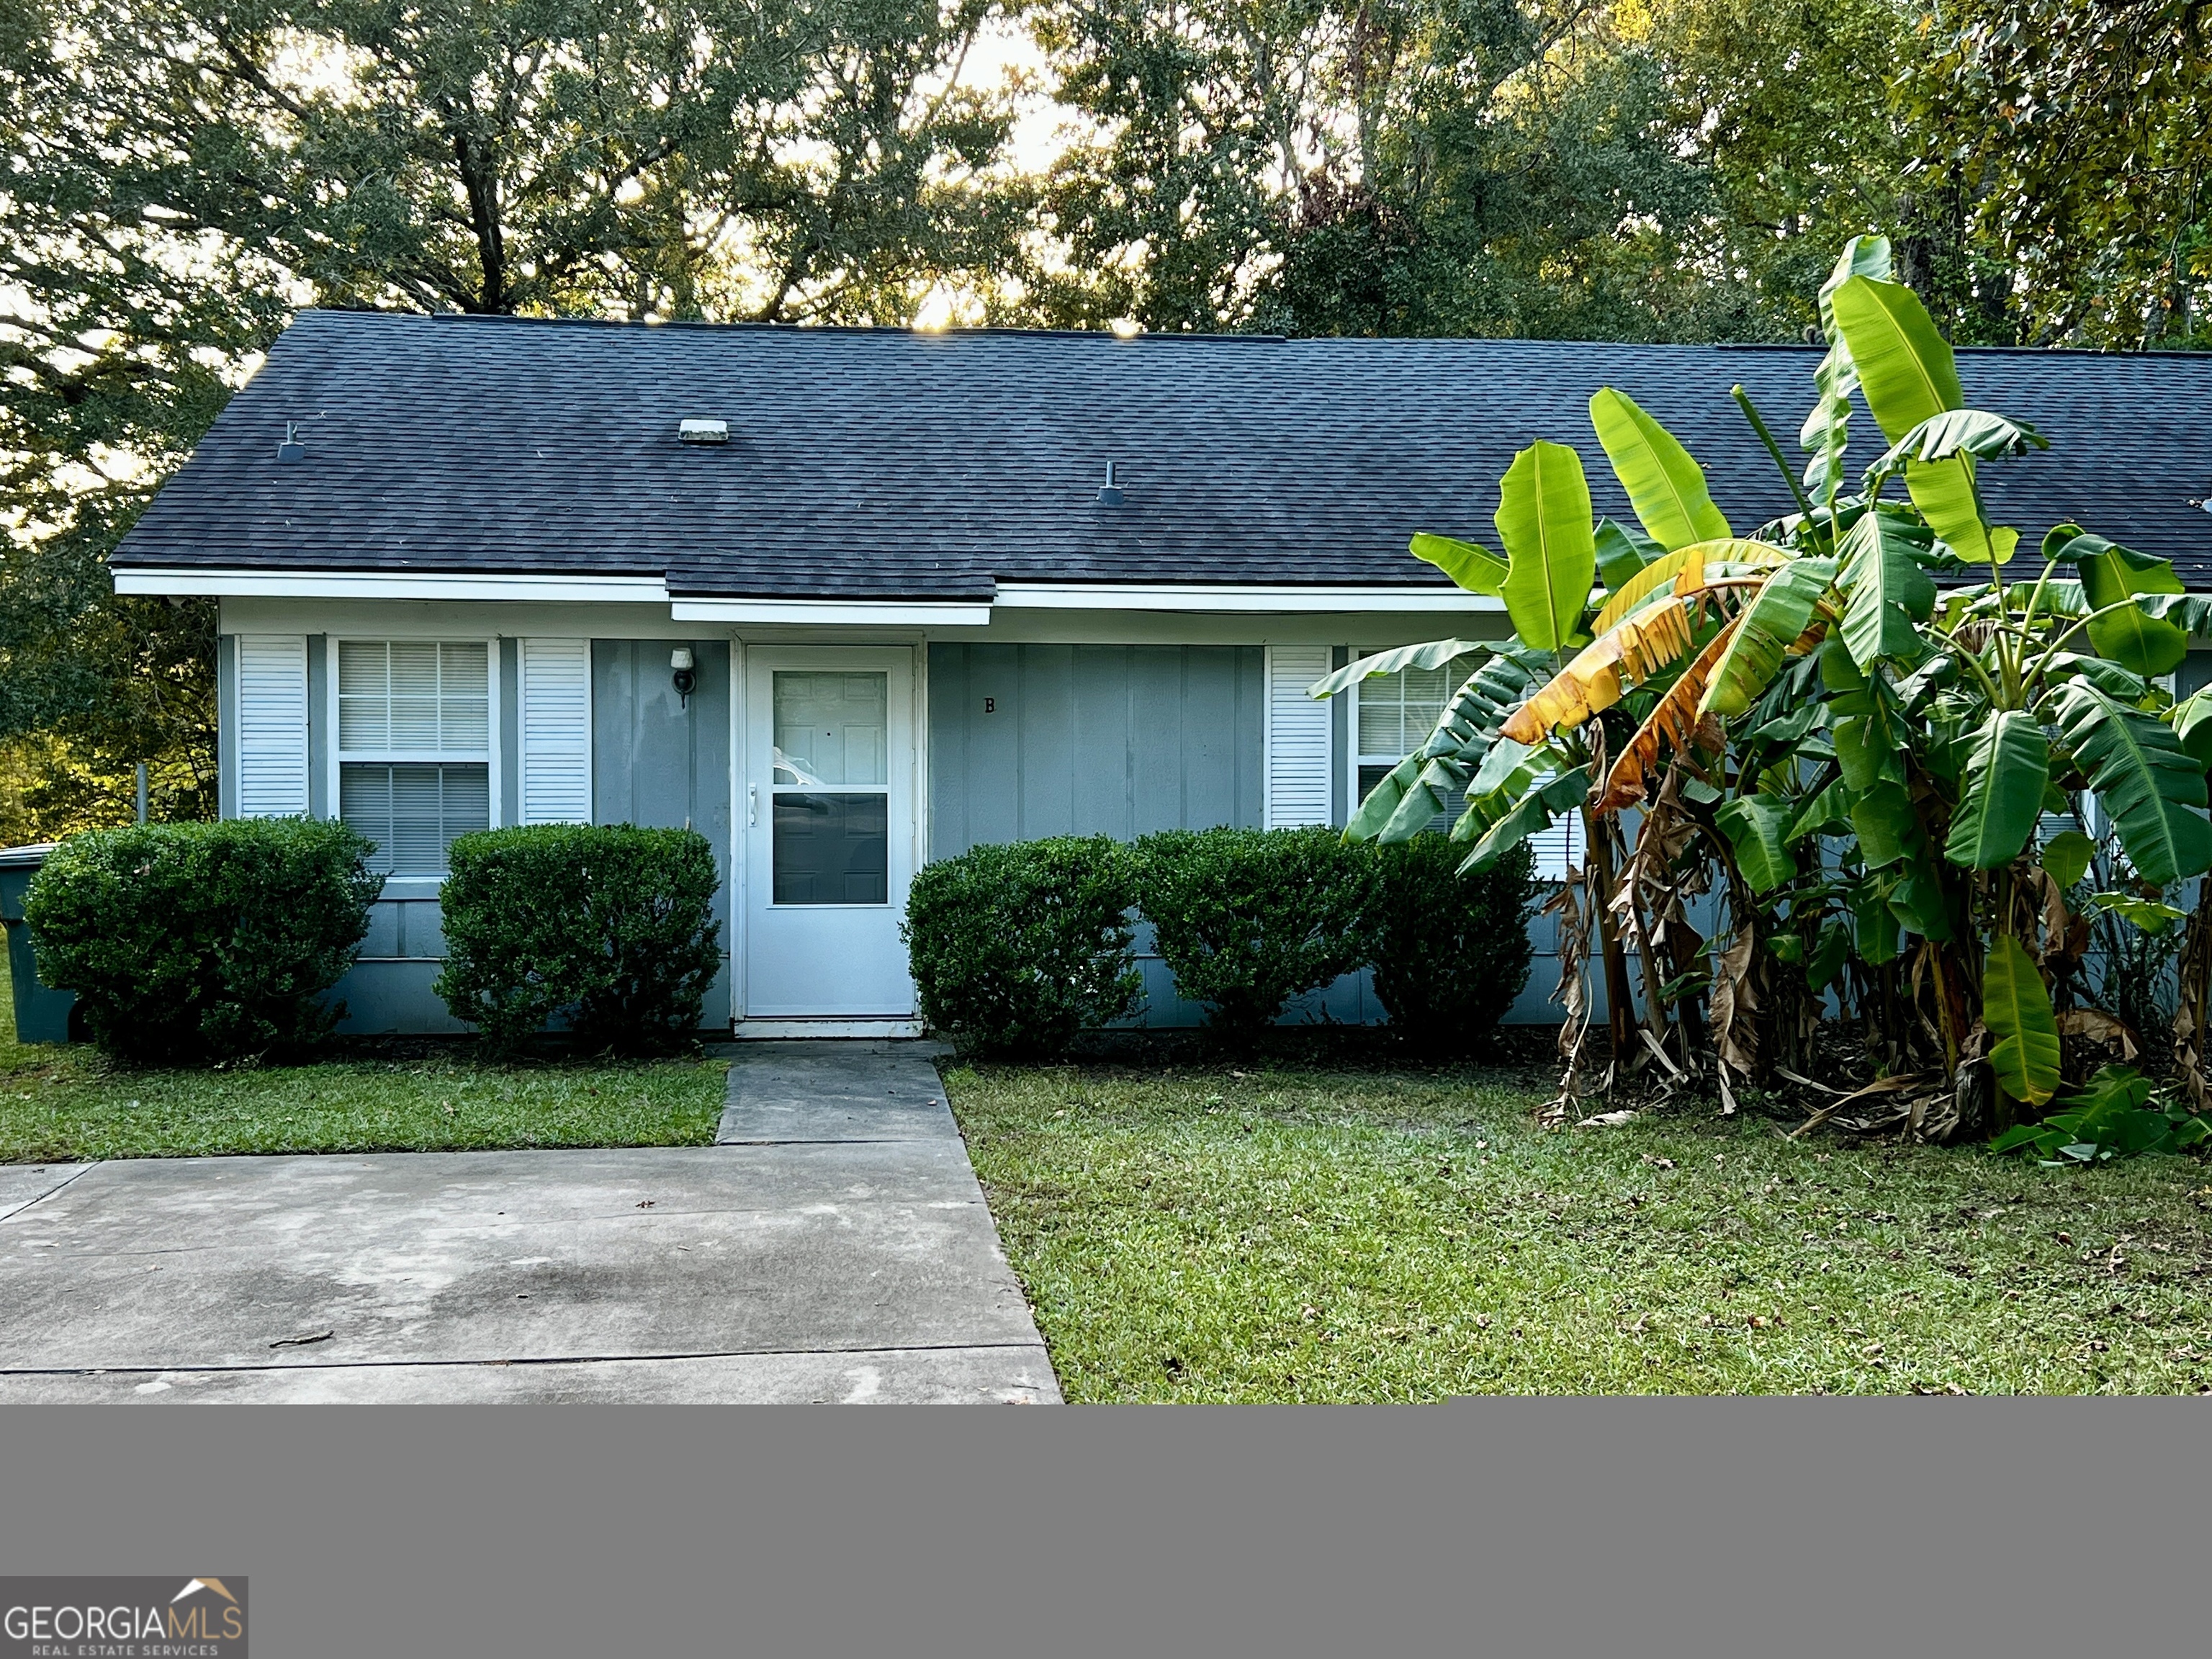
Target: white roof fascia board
{"points": [[835, 613], [389, 585], [1237, 597]]}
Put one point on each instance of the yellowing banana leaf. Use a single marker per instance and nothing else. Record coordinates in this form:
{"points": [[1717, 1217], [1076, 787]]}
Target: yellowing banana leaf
{"points": [[1673, 725], [1684, 565], [1665, 487], [1771, 624], [1636, 648], [1544, 520], [2016, 1007], [1472, 565]]}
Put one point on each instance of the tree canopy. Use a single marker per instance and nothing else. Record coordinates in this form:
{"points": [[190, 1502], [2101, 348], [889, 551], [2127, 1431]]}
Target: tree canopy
{"points": [[176, 178]]}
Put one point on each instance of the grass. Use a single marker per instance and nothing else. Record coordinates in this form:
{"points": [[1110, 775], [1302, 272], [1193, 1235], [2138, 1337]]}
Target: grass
{"points": [[61, 1105], [1279, 1233]]}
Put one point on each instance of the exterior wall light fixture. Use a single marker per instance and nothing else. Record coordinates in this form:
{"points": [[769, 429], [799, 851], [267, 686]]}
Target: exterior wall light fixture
{"points": [[686, 676]]}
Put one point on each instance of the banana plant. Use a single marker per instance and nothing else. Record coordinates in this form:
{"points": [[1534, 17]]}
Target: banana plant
{"points": [[1856, 720]]}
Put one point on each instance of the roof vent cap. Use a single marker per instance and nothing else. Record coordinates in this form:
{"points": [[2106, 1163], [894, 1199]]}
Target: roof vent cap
{"points": [[291, 449], [1109, 493], [703, 432]]}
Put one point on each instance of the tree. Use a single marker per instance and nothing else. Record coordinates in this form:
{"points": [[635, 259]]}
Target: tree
{"points": [[2080, 136], [1384, 166], [179, 177]]}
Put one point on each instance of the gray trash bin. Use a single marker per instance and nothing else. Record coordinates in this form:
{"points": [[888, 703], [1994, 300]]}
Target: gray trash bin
{"points": [[41, 1015]]}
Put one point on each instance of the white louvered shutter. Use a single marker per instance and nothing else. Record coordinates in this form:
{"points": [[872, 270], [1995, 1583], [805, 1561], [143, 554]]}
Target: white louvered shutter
{"points": [[272, 724], [1299, 768], [555, 725]]}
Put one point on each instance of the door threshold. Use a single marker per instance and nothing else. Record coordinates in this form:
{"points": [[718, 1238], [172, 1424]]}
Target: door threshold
{"points": [[785, 1029]]}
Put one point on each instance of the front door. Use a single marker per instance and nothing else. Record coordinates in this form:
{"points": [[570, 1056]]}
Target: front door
{"points": [[828, 814]]}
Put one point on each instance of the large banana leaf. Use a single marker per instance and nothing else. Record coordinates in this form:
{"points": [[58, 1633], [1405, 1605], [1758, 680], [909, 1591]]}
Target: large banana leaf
{"points": [[1665, 486], [1885, 591], [2016, 1007], [1888, 829], [1974, 432], [1622, 552], [1771, 624], [1827, 428], [2112, 574], [1905, 367], [2006, 775], [1757, 827], [1544, 520], [1631, 594], [1909, 376], [2192, 724], [1532, 813], [2148, 783], [1434, 653], [1470, 564]]}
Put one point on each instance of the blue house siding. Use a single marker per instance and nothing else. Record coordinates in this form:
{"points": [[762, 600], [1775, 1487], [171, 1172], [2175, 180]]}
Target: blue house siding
{"points": [[659, 761], [1033, 740]]}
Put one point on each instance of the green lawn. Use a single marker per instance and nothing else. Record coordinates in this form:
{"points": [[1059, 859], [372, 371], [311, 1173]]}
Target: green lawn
{"points": [[1293, 1234], [64, 1104]]}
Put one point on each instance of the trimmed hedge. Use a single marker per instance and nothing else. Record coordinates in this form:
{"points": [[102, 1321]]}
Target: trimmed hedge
{"points": [[1248, 918], [189, 941], [608, 929], [1015, 949], [1450, 952]]}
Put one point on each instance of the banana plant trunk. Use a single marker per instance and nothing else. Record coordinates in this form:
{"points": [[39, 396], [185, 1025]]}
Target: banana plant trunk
{"points": [[1620, 996]]}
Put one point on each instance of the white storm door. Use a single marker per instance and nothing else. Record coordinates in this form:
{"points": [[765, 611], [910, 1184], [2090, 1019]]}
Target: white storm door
{"points": [[827, 810]]}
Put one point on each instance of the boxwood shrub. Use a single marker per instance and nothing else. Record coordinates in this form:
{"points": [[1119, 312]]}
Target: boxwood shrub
{"points": [[1450, 952], [1247, 919], [192, 941], [1016, 948], [605, 929]]}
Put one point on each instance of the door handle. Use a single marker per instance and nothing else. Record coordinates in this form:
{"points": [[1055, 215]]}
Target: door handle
{"points": [[752, 803]]}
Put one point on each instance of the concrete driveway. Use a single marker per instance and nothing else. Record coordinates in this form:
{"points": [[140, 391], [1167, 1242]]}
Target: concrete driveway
{"points": [[836, 1247]]}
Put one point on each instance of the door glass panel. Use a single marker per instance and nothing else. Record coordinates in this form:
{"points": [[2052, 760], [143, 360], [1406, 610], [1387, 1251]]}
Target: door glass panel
{"points": [[831, 729], [831, 849]]}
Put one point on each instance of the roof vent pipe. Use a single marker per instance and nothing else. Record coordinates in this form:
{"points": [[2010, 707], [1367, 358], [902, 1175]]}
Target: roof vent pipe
{"points": [[1109, 493]]}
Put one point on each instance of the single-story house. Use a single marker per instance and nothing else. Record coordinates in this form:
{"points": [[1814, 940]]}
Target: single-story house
{"points": [[847, 600]]}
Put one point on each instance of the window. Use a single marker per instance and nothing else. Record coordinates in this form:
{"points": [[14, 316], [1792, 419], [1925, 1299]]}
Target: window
{"points": [[1395, 713], [831, 784], [414, 732]]}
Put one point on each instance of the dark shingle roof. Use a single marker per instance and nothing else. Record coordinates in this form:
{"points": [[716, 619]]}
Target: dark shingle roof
{"points": [[882, 463]]}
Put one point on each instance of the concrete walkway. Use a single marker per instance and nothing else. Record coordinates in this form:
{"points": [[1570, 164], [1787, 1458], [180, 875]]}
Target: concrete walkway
{"points": [[835, 1246]]}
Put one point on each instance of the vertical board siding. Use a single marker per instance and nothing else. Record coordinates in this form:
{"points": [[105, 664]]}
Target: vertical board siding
{"points": [[555, 727], [658, 763], [1298, 752], [272, 724], [1115, 741]]}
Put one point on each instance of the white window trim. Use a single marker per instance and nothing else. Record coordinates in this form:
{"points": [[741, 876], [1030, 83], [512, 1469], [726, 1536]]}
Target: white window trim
{"points": [[398, 887]]}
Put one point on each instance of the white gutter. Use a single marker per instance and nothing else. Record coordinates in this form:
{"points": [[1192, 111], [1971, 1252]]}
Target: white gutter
{"points": [[834, 613], [1233, 597], [297, 584]]}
